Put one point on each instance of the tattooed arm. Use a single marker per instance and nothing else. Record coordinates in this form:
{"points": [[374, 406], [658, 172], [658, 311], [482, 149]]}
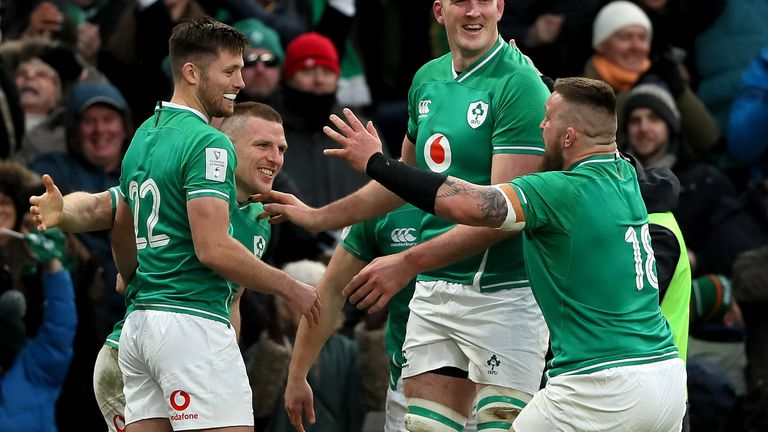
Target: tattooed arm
{"points": [[470, 204]]}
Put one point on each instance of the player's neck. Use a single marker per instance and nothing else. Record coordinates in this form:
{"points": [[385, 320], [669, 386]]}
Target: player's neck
{"points": [[463, 59], [242, 195], [588, 151], [189, 99]]}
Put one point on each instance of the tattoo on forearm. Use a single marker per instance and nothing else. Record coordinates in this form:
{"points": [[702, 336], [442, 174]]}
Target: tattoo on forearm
{"points": [[488, 200]]}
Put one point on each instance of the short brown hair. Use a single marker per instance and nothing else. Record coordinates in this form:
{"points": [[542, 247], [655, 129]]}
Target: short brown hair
{"points": [[200, 40], [246, 110], [592, 93]]}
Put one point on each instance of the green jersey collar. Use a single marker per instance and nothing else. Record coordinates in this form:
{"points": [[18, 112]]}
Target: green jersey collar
{"points": [[181, 107], [491, 53], [598, 158]]}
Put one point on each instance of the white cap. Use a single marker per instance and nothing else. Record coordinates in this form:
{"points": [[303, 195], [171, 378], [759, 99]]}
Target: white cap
{"points": [[616, 15]]}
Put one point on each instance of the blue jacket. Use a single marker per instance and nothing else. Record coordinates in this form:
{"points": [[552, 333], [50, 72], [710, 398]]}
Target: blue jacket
{"points": [[30, 388], [748, 129]]}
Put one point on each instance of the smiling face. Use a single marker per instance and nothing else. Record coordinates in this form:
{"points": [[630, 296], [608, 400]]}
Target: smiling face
{"points": [[627, 47], [260, 148], [470, 25], [219, 84], [102, 134]]}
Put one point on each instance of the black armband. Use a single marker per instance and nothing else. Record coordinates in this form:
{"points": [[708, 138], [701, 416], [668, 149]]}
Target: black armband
{"points": [[418, 187]]}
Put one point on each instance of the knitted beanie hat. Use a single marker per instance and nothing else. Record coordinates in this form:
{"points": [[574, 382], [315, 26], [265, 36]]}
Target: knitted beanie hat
{"points": [[310, 50], [656, 98], [616, 15]]}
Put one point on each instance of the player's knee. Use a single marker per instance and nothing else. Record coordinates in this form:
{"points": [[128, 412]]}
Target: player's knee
{"points": [[428, 416], [498, 407]]}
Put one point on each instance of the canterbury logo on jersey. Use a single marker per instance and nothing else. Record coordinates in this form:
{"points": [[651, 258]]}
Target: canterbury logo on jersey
{"points": [[437, 153], [424, 107], [403, 235]]}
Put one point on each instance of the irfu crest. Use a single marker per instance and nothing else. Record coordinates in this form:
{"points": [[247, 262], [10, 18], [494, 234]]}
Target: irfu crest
{"points": [[476, 114]]}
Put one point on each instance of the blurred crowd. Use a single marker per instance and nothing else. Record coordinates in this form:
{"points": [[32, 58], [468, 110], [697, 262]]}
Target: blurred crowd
{"points": [[78, 76]]}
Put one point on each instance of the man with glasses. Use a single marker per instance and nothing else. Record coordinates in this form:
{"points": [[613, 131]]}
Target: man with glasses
{"points": [[262, 62]]}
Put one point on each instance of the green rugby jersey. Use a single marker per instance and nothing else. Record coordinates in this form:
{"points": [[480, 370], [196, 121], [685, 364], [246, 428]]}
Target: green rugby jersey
{"points": [[394, 232], [248, 229], [588, 253], [458, 122], [176, 156]]}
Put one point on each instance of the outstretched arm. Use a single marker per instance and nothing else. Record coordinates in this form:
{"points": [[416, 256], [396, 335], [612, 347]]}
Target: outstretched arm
{"points": [[310, 339], [74, 213], [370, 201]]}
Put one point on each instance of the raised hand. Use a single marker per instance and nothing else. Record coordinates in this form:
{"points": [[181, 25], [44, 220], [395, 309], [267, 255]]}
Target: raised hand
{"points": [[378, 282], [299, 399], [47, 209], [357, 142]]}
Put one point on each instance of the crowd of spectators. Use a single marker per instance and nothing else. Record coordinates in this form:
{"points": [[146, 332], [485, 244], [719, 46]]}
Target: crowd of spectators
{"points": [[78, 76]]}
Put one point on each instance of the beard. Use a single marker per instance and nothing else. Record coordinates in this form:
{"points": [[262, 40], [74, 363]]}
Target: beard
{"points": [[213, 101], [552, 160]]}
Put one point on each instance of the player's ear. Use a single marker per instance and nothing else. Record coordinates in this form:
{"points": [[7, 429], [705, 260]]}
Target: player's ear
{"points": [[190, 73], [437, 9], [570, 133]]}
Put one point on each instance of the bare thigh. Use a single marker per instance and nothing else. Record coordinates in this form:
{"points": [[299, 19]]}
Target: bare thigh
{"points": [[455, 393]]}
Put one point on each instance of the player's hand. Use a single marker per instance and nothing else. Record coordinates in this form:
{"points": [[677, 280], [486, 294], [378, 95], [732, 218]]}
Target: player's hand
{"points": [[378, 282], [299, 399], [358, 142], [304, 300], [47, 209], [281, 207], [120, 285]]}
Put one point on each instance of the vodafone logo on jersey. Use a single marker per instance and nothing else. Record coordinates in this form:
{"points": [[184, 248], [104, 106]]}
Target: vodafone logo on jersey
{"points": [[437, 153]]}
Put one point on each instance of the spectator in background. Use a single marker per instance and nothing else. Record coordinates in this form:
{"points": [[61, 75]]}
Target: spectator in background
{"points": [[622, 41], [335, 376], [41, 98], [263, 59], [748, 129], [554, 34], [32, 371], [39, 90], [676, 23], [98, 130], [310, 80], [11, 115], [725, 49], [713, 222]]}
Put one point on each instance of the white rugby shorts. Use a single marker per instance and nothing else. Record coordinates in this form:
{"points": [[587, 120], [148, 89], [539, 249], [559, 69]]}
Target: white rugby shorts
{"points": [[184, 368], [500, 338]]}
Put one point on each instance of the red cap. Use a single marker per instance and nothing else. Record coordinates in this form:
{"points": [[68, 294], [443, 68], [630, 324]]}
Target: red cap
{"points": [[310, 50]]}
